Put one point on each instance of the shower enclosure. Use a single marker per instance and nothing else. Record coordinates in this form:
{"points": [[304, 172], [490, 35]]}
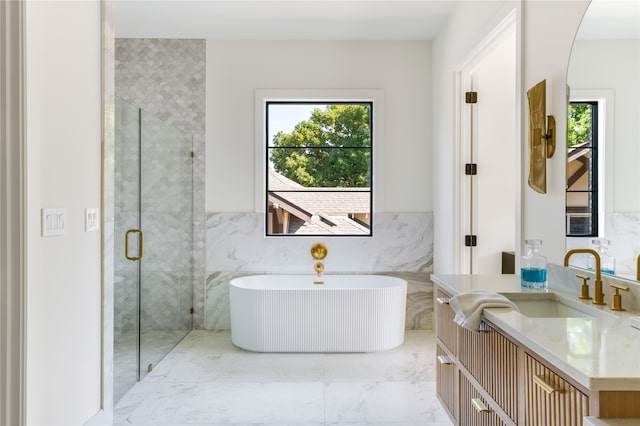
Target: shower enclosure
{"points": [[153, 242]]}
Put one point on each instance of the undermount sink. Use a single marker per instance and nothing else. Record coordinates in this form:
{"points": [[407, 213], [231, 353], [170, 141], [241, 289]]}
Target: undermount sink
{"points": [[551, 305]]}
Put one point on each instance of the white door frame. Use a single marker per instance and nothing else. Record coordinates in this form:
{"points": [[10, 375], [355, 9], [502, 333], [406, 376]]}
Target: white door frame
{"points": [[511, 23]]}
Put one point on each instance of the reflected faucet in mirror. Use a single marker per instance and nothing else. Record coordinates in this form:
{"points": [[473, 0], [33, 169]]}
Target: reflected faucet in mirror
{"points": [[598, 297]]}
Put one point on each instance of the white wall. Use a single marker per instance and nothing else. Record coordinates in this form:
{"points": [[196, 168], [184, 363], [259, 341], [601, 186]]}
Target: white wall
{"points": [[547, 32], [468, 26], [549, 29], [63, 121], [401, 69]]}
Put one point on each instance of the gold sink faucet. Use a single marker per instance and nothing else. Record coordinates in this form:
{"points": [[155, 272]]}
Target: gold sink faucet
{"points": [[598, 297]]}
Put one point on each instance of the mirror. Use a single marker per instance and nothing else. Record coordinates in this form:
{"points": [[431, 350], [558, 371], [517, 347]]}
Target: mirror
{"points": [[604, 68]]}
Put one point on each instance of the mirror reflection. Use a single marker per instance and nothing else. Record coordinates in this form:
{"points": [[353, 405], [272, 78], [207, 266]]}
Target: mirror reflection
{"points": [[603, 152]]}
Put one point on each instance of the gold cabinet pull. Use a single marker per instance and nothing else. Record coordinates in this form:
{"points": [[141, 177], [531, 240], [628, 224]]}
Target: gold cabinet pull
{"points": [[140, 244], [443, 359], [443, 300], [479, 405], [545, 384]]}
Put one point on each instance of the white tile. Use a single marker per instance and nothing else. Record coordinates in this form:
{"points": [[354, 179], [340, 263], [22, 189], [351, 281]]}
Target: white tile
{"points": [[206, 380], [230, 403], [382, 402]]}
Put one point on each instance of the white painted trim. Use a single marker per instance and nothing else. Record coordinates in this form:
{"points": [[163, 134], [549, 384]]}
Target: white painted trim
{"points": [[12, 216], [511, 23], [606, 135], [261, 96], [519, 208]]}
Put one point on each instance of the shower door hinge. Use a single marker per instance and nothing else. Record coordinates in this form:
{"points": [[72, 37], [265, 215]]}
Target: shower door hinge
{"points": [[471, 169], [471, 97], [192, 154], [470, 241], [191, 311]]}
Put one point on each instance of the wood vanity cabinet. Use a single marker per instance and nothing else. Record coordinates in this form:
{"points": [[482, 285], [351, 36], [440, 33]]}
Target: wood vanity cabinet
{"points": [[550, 399], [488, 378]]}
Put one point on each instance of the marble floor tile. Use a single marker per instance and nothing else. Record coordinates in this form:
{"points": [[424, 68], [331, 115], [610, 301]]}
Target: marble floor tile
{"points": [[206, 380]]}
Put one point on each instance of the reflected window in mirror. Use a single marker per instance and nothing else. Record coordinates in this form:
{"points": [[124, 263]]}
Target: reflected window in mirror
{"points": [[582, 204], [318, 171]]}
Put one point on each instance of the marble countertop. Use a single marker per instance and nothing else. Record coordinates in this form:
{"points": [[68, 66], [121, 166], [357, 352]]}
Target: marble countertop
{"points": [[599, 353]]}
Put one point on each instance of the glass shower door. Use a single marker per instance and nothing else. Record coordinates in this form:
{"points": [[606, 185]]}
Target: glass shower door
{"points": [[166, 205], [153, 248], [126, 304]]}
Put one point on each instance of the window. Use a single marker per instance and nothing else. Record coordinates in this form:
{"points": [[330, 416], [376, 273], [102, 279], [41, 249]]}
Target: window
{"points": [[318, 168], [582, 170]]}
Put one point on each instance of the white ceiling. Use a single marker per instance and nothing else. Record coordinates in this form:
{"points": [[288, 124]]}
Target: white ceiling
{"points": [[329, 19], [282, 20]]}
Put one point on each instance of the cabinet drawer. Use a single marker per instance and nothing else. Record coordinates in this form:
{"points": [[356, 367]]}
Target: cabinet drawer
{"points": [[446, 329], [491, 359], [446, 381], [550, 400], [473, 409]]}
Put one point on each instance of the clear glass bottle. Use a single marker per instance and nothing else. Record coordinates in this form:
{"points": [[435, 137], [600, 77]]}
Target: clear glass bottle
{"points": [[607, 263], [533, 266]]}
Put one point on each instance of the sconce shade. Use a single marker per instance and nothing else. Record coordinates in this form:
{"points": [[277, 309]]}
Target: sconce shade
{"points": [[537, 137]]}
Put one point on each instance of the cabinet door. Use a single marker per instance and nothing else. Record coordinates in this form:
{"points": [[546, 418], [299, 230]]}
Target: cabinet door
{"points": [[491, 359], [551, 400], [475, 410], [446, 329], [446, 382]]}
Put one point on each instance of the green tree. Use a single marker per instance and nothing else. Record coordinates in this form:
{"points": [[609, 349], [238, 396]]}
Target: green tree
{"points": [[579, 124], [330, 149]]}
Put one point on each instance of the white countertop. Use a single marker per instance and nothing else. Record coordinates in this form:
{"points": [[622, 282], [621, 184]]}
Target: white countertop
{"points": [[599, 353]]}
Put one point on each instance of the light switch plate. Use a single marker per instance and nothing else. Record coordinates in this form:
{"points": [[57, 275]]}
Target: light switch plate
{"points": [[53, 222], [91, 219]]}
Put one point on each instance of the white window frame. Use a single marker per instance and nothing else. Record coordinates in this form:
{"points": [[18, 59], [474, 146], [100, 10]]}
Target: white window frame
{"points": [[375, 96]]}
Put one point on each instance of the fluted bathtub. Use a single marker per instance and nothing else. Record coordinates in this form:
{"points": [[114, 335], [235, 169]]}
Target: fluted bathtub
{"points": [[304, 313]]}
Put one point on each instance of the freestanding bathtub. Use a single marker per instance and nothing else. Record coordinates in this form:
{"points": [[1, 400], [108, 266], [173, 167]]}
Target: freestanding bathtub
{"points": [[304, 313]]}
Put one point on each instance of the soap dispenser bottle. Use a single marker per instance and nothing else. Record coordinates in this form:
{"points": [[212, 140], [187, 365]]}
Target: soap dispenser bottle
{"points": [[607, 263], [533, 266]]}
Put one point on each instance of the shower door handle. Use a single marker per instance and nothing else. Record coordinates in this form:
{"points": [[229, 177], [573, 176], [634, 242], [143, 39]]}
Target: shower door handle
{"points": [[140, 244]]}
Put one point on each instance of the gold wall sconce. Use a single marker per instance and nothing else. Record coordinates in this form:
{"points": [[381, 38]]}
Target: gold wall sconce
{"points": [[542, 137]]}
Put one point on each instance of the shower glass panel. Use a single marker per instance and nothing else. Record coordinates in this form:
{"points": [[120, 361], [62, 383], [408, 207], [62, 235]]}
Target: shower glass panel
{"points": [[153, 247]]}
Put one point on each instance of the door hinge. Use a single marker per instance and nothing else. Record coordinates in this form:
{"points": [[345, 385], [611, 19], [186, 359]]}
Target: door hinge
{"points": [[470, 241], [192, 154], [471, 169], [471, 97], [191, 311]]}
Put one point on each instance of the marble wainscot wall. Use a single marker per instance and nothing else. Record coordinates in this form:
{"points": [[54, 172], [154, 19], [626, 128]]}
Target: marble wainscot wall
{"points": [[402, 246], [623, 229]]}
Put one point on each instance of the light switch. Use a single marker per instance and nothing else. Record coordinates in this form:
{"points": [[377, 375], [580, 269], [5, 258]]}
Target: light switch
{"points": [[53, 222], [92, 219]]}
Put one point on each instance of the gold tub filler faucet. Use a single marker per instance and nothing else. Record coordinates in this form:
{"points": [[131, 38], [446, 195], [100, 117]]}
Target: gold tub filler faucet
{"points": [[319, 252]]}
